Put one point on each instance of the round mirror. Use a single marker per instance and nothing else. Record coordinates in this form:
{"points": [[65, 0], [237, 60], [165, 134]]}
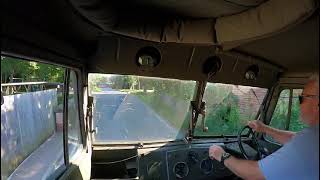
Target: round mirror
{"points": [[252, 72], [148, 57]]}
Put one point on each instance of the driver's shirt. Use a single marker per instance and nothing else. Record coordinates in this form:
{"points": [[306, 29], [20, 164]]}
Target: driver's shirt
{"points": [[298, 159]]}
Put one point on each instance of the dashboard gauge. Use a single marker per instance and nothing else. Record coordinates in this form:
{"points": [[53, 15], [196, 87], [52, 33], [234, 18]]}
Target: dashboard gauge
{"points": [[193, 157], [206, 166], [219, 166], [181, 170]]}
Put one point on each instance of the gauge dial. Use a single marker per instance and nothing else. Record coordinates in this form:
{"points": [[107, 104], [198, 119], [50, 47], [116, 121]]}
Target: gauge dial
{"points": [[181, 170], [193, 157], [206, 166]]}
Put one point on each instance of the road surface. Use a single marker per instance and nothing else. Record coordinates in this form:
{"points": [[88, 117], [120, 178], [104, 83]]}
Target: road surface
{"points": [[119, 116]]}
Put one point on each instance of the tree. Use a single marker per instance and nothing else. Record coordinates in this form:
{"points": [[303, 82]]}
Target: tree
{"points": [[29, 71], [11, 67]]}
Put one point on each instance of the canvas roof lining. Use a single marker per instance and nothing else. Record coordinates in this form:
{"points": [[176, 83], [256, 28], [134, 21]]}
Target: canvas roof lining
{"points": [[270, 17], [105, 14], [266, 20], [296, 49], [196, 8], [172, 63]]}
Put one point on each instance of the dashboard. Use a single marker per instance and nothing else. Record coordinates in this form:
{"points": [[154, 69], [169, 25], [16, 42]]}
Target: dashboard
{"points": [[189, 161], [193, 162]]}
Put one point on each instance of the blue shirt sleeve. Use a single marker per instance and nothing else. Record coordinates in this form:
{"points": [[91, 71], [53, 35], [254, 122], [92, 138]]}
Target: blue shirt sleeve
{"points": [[298, 159]]}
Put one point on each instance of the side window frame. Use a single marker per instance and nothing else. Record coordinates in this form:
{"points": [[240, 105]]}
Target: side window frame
{"points": [[80, 112], [273, 103], [80, 101], [82, 132], [288, 115], [270, 110], [287, 124], [80, 86], [65, 116], [60, 170]]}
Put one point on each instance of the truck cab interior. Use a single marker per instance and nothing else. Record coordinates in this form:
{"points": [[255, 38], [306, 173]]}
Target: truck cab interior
{"points": [[156, 83]]}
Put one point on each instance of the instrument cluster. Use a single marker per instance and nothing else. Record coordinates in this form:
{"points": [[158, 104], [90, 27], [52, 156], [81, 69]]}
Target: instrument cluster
{"points": [[193, 163]]}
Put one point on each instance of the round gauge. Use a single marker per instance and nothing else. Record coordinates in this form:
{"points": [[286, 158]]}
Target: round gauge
{"points": [[206, 166], [181, 170], [219, 166], [193, 157]]}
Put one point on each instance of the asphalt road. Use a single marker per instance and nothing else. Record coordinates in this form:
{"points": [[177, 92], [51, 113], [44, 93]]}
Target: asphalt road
{"points": [[119, 116], [36, 165]]}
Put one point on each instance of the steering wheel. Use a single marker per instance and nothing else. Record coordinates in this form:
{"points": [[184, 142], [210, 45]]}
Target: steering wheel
{"points": [[254, 141]]}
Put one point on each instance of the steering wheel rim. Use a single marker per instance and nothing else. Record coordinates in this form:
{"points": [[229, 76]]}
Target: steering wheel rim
{"points": [[253, 139]]}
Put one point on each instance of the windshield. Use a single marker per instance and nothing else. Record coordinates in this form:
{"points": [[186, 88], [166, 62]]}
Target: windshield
{"points": [[137, 109], [229, 108]]}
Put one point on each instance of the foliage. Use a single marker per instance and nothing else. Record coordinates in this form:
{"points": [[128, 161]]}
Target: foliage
{"points": [[175, 115], [280, 113], [94, 80], [29, 71], [229, 108], [279, 117], [11, 67], [295, 120], [170, 99], [215, 94], [223, 118]]}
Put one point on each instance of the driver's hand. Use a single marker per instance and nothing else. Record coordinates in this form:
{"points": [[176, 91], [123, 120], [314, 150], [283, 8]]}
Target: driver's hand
{"points": [[257, 126], [215, 152]]}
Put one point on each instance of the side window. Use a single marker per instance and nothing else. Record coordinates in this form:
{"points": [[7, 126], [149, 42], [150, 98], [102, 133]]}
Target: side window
{"points": [[280, 114], [280, 118], [74, 134], [295, 120], [31, 119]]}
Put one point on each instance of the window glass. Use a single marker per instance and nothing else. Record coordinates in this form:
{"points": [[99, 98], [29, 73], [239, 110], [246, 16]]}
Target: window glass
{"points": [[280, 114], [134, 108], [296, 124], [229, 108], [31, 119], [74, 134]]}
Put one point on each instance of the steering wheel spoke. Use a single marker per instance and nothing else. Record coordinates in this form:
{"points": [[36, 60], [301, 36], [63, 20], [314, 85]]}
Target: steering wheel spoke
{"points": [[252, 136]]}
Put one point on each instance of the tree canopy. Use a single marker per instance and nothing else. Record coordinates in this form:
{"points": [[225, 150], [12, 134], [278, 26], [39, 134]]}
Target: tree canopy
{"points": [[29, 71]]}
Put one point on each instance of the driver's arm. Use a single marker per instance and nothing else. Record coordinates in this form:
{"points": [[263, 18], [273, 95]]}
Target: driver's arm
{"points": [[245, 169], [280, 136]]}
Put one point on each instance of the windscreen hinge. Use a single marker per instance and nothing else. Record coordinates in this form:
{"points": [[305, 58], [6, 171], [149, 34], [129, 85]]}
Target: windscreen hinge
{"points": [[89, 115], [194, 116]]}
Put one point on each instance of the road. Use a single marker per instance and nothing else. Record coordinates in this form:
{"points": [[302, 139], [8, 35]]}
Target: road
{"points": [[36, 165], [119, 116]]}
